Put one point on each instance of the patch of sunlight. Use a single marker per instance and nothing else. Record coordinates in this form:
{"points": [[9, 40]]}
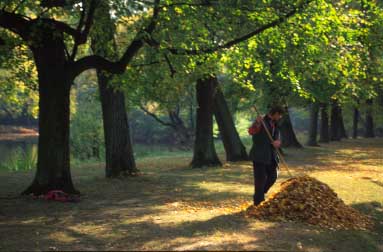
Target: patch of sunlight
{"points": [[354, 188], [34, 220], [224, 187], [100, 230], [61, 237], [217, 240]]}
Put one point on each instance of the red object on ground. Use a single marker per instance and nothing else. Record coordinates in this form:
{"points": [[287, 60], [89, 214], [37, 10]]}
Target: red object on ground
{"points": [[61, 196]]}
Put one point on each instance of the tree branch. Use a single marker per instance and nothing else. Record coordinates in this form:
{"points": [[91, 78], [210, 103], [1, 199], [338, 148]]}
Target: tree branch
{"points": [[227, 45], [155, 117], [14, 22], [88, 23], [56, 3], [202, 3], [171, 68], [95, 61], [80, 24]]}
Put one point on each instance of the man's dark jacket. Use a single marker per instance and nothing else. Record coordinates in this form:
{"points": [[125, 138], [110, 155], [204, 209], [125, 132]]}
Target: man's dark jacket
{"points": [[262, 150]]}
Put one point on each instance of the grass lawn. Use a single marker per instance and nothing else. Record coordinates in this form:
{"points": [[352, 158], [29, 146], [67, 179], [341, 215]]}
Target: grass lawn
{"points": [[174, 207]]}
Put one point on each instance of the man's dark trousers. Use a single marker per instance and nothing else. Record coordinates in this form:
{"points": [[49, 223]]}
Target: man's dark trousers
{"points": [[264, 177]]}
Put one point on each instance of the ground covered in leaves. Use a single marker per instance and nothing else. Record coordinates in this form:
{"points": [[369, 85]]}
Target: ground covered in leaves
{"points": [[174, 207]]}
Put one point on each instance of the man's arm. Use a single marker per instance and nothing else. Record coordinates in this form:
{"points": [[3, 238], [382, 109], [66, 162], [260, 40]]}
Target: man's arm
{"points": [[256, 127]]}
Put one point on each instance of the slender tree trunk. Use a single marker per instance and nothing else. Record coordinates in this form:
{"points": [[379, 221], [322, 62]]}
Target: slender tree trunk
{"points": [[355, 123], [324, 127], [313, 130], [235, 150], [335, 122], [204, 150], [343, 133], [288, 136], [53, 165], [369, 120], [119, 156]]}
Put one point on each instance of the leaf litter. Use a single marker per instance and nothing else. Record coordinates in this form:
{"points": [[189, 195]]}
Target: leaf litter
{"points": [[306, 199]]}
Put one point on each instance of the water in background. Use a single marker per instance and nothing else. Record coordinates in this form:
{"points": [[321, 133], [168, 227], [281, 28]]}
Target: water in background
{"points": [[18, 156]]}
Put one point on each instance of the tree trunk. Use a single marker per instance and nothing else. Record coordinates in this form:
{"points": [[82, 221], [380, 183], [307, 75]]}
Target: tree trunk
{"points": [[182, 134], [355, 123], [204, 150], [288, 136], [235, 150], [119, 157], [335, 122], [369, 120], [53, 165], [313, 130], [342, 129], [324, 136]]}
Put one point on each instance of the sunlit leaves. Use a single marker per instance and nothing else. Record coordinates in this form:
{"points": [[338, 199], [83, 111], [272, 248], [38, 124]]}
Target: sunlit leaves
{"points": [[308, 200]]}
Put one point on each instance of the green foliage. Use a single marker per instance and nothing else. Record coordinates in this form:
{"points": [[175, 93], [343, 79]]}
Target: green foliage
{"points": [[18, 78], [19, 158], [86, 132]]}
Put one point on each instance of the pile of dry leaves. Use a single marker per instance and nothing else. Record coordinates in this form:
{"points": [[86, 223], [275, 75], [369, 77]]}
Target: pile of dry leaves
{"points": [[309, 200]]}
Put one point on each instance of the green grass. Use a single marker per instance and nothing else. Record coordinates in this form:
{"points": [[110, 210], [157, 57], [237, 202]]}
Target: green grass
{"points": [[174, 207]]}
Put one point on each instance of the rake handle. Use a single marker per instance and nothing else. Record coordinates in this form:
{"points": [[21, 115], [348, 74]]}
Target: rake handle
{"points": [[272, 140]]}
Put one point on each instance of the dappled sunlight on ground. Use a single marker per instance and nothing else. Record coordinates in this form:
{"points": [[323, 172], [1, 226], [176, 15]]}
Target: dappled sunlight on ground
{"points": [[174, 207]]}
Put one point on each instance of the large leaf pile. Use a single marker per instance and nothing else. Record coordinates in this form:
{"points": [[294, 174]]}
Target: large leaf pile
{"points": [[308, 200]]}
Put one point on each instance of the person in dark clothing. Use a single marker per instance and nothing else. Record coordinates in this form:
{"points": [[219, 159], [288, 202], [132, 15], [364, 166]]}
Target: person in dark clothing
{"points": [[263, 152]]}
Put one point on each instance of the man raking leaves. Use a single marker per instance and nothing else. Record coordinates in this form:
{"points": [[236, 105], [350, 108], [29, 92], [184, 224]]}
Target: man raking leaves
{"points": [[264, 152], [300, 198]]}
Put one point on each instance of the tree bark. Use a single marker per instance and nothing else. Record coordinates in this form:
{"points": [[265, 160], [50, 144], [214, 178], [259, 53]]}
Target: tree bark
{"points": [[53, 164], [204, 150], [119, 157], [343, 133], [324, 136], [313, 130], [235, 150], [335, 122], [369, 120], [355, 122], [288, 136], [182, 133]]}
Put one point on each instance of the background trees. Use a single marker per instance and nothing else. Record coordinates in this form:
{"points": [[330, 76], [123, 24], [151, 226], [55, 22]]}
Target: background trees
{"points": [[181, 63]]}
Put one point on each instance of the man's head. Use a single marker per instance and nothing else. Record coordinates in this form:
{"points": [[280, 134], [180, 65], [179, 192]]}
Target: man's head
{"points": [[276, 112]]}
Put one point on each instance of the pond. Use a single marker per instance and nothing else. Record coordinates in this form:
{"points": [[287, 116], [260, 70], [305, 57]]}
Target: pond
{"points": [[18, 155]]}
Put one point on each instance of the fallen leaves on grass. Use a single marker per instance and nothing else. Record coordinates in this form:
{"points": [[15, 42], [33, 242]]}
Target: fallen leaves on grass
{"points": [[225, 207], [309, 200]]}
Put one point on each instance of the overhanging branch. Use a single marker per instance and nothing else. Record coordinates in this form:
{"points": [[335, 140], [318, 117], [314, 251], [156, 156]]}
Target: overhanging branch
{"points": [[95, 61], [229, 44], [14, 22]]}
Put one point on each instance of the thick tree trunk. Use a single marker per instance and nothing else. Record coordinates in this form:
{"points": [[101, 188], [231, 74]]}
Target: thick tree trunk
{"points": [[335, 122], [53, 166], [355, 122], [324, 136], [119, 157], [288, 136], [343, 133], [204, 150], [369, 120], [313, 130], [118, 147], [235, 150]]}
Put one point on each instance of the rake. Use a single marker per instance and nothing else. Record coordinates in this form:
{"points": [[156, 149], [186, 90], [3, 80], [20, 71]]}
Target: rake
{"points": [[283, 161]]}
